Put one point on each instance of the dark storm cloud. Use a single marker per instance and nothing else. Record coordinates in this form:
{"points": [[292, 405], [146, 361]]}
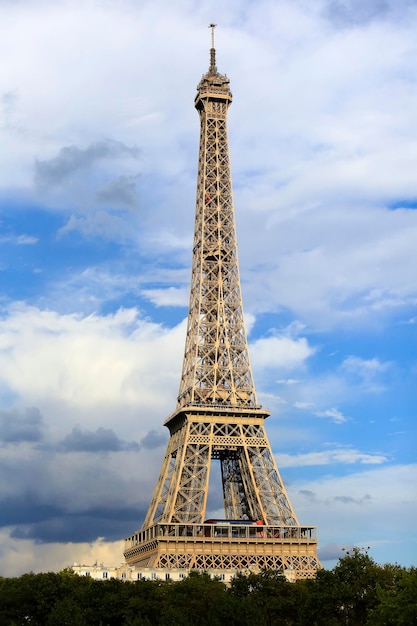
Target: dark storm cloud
{"points": [[80, 527], [310, 495], [72, 159], [153, 440], [349, 500], [120, 191], [333, 551], [48, 497], [47, 523], [26, 508], [17, 427], [101, 440]]}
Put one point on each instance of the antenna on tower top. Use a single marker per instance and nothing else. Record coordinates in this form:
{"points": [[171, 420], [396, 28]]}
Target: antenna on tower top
{"points": [[212, 26], [213, 68]]}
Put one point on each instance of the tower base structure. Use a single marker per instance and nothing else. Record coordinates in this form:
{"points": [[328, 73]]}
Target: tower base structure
{"points": [[226, 545], [260, 531]]}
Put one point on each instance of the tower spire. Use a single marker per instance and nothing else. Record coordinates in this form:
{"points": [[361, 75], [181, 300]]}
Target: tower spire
{"points": [[213, 68]]}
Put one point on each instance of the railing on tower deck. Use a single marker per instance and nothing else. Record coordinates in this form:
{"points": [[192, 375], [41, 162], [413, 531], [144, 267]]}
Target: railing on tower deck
{"points": [[223, 408], [218, 90], [224, 530]]}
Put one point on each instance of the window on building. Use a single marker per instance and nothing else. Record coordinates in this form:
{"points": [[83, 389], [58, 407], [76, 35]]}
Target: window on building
{"points": [[139, 576], [105, 575], [124, 575], [167, 576]]}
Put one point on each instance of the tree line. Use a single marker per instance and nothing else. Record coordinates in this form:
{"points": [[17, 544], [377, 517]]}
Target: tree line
{"points": [[357, 591]]}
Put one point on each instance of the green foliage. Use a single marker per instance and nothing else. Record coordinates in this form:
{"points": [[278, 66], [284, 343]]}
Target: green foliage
{"points": [[357, 591], [397, 602], [267, 598], [31, 598]]}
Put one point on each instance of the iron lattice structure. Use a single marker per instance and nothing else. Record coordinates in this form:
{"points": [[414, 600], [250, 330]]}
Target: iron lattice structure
{"points": [[217, 417]]}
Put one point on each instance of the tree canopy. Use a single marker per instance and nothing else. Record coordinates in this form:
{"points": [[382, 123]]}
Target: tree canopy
{"points": [[357, 591]]}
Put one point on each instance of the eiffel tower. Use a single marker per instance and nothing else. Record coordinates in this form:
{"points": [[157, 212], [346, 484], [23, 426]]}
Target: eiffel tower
{"points": [[217, 420]]}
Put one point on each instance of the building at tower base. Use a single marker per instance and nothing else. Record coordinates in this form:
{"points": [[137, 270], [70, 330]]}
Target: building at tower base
{"points": [[124, 572]]}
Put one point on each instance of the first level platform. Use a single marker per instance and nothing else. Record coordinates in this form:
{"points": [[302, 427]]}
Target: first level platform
{"points": [[224, 545]]}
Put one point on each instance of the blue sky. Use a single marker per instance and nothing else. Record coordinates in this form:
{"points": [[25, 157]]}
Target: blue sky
{"points": [[98, 161]]}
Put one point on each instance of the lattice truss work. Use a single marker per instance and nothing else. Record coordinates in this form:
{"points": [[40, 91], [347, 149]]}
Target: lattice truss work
{"points": [[216, 361], [252, 487], [304, 566]]}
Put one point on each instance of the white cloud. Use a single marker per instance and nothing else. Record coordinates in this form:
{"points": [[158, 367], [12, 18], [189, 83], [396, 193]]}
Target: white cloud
{"points": [[357, 509], [342, 270], [334, 414], [304, 405], [93, 367], [323, 393], [19, 556], [368, 373], [167, 297], [364, 368], [19, 240], [330, 457], [283, 353], [323, 179]]}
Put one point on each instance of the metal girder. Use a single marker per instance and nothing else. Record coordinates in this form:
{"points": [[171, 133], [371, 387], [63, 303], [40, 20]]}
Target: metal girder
{"points": [[216, 367], [252, 487]]}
